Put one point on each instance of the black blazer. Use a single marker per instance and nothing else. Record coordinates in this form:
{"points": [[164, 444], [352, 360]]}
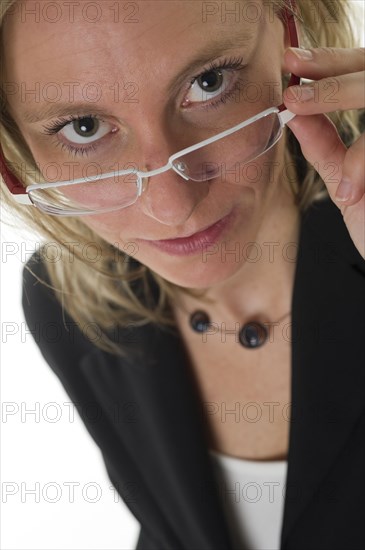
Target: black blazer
{"points": [[145, 412]]}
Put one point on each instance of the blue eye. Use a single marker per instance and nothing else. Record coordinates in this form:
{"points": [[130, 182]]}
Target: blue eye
{"points": [[84, 130], [80, 130]]}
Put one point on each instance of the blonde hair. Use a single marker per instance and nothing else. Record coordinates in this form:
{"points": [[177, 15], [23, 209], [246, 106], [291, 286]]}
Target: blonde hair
{"points": [[100, 294]]}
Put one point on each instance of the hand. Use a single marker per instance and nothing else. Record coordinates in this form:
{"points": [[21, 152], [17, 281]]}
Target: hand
{"points": [[339, 85]]}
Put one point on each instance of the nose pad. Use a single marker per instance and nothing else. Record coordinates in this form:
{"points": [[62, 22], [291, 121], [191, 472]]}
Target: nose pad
{"points": [[196, 169], [182, 169], [170, 199]]}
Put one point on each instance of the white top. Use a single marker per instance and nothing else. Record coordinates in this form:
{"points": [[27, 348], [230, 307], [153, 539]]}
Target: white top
{"points": [[253, 494]]}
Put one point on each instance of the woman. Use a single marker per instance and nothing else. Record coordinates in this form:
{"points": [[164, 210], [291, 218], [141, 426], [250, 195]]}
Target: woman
{"points": [[218, 281]]}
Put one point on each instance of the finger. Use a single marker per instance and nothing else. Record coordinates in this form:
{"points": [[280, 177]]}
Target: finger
{"points": [[328, 155], [323, 62], [327, 95], [353, 171]]}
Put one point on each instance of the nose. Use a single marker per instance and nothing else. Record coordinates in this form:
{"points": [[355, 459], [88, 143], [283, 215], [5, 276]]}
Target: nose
{"points": [[169, 198]]}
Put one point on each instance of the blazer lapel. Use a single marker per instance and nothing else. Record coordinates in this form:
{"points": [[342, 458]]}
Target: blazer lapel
{"points": [[328, 355]]}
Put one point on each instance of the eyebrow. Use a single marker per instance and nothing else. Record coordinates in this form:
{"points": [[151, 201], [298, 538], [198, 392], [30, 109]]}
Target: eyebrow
{"points": [[211, 51], [51, 110]]}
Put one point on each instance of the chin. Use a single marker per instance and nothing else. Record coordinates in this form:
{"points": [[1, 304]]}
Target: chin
{"points": [[198, 273]]}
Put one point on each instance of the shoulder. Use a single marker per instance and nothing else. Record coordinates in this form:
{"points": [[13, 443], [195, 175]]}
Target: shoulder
{"points": [[54, 331], [325, 237], [62, 342]]}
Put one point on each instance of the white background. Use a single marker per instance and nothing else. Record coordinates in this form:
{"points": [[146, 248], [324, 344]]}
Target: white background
{"points": [[50, 446], [37, 449]]}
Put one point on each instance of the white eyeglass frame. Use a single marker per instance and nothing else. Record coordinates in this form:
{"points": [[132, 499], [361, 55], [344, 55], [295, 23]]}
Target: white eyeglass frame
{"points": [[284, 117]]}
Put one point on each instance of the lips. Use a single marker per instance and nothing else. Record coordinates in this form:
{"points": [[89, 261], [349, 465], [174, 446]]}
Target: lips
{"points": [[195, 242]]}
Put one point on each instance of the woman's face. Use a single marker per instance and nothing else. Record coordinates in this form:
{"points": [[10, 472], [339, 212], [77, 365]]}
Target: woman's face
{"points": [[132, 64]]}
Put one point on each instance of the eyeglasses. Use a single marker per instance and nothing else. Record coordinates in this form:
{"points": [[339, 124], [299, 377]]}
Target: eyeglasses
{"points": [[108, 190]]}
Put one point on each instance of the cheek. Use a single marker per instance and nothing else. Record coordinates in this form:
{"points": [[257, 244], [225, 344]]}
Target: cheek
{"points": [[255, 181], [110, 226], [265, 175], [112, 231], [119, 228], [232, 158], [245, 165]]}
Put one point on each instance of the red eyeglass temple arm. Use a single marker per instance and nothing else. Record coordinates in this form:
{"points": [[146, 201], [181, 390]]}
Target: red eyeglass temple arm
{"points": [[11, 181], [16, 187]]}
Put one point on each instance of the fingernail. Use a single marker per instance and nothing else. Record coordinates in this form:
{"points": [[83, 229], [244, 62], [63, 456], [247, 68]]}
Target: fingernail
{"points": [[301, 53], [301, 93], [344, 190]]}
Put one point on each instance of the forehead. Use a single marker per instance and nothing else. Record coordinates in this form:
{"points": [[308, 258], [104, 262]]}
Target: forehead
{"points": [[96, 40]]}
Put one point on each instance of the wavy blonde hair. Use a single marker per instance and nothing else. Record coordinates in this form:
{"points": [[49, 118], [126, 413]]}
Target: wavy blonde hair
{"points": [[101, 294]]}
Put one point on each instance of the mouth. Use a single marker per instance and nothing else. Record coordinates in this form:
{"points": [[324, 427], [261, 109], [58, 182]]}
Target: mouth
{"points": [[194, 242]]}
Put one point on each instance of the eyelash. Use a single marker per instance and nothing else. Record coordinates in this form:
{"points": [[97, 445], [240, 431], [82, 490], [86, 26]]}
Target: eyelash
{"points": [[56, 126], [232, 64]]}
